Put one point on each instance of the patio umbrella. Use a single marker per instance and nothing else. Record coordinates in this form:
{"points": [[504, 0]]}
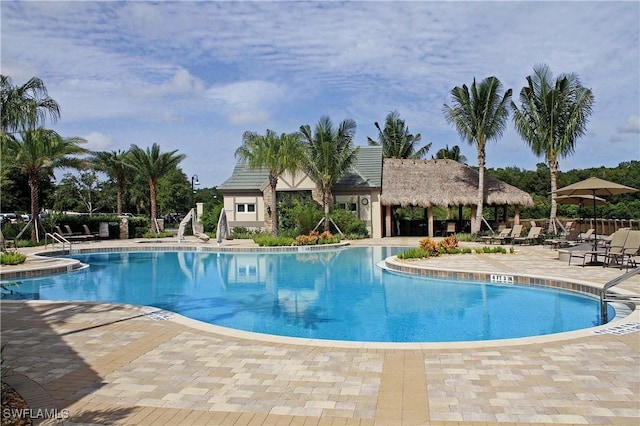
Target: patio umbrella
{"points": [[580, 201], [593, 187]]}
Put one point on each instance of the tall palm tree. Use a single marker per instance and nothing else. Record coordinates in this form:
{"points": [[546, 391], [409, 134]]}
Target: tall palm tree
{"points": [[114, 164], [151, 165], [26, 106], [330, 153], [277, 154], [36, 153], [479, 116], [396, 141], [451, 154], [552, 116]]}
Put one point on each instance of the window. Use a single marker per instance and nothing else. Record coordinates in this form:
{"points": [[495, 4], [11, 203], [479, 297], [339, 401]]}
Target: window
{"points": [[245, 208], [352, 207]]}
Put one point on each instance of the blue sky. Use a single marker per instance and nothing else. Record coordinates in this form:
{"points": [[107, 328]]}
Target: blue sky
{"points": [[195, 75]]}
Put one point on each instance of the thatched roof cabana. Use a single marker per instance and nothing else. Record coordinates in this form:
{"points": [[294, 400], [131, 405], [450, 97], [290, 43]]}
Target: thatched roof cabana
{"points": [[445, 183]]}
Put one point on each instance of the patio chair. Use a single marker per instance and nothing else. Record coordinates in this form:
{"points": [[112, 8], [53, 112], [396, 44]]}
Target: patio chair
{"points": [[531, 238], [451, 228], [503, 234], [629, 249], [615, 247]]}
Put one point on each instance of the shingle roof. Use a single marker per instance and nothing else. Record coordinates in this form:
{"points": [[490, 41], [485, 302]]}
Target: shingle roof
{"points": [[367, 172], [244, 178]]}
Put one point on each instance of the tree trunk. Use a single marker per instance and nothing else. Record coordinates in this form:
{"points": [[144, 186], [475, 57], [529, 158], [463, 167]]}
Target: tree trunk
{"points": [[477, 222], [326, 200], [273, 183], [153, 201], [553, 168], [35, 205], [120, 191]]}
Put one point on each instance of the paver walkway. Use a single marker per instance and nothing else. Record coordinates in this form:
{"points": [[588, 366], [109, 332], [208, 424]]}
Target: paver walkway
{"points": [[120, 364]]}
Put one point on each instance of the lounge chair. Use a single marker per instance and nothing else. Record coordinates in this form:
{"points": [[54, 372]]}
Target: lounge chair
{"points": [[568, 226], [500, 236], [586, 235], [516, 231], [63, 233], [88, 233], [531, 238], [626, 251], [570, 239], [614, 248]]}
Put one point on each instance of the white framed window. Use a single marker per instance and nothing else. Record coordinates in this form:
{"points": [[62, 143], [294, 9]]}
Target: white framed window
{"points": [[245, 208]]}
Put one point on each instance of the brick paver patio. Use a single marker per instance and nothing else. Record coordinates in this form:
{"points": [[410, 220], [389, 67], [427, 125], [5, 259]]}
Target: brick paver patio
{"points": [[121, 364]]}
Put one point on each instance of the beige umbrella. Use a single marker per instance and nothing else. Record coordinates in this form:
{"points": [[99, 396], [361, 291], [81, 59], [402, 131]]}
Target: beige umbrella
{"points": [[594, 186], [580, 200]]}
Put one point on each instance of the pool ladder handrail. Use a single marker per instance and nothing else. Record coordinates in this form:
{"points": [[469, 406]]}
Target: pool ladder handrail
{"points": [[616, 297], [57, 238]]}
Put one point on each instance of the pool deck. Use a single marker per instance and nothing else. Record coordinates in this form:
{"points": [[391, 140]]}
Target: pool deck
{"points": [[105, 364]]}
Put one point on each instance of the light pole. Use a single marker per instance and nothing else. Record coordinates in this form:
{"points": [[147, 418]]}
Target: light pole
{"points": [[194, 181]]}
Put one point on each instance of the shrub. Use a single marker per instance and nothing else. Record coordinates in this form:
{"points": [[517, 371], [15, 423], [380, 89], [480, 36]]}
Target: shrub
{"points": [[467, 237], [316, 238], [271, 241], [157, 235], [449, 243], [12, 258], [240, 232], [427, 244], [414, 253], [349, 223], [209, 218], [490, 250], [306, 216]]}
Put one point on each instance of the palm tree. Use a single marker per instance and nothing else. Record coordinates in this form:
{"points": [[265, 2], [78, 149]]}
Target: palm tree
{"points": [[451, 154], [114, 164], [26, 106], [479, 116], [396, 141], [151, 165], [330, 153], [36, 153], [277, 154], [552, 117]]}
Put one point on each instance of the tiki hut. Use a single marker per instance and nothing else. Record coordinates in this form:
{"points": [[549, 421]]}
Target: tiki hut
{"points": [[444, 183]]}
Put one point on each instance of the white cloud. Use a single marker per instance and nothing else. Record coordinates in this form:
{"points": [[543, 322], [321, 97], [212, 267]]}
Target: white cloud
{"points": [[632, 125], [138, 68], [246, 102], [97, 141]]}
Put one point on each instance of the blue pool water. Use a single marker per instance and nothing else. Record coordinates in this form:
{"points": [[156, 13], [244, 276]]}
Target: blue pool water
{"points": [[337, 295]]}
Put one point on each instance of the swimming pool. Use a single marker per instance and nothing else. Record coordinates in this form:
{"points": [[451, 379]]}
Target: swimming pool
{"points": [[334, 294]]}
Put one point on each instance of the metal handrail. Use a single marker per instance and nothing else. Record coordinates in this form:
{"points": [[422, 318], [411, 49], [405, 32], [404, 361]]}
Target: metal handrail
{"points": [[57, 238], [614, 282]]}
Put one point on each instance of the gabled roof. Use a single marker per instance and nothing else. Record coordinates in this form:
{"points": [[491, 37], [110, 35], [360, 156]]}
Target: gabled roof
{"points": [[365, 173], [442, 183]]}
